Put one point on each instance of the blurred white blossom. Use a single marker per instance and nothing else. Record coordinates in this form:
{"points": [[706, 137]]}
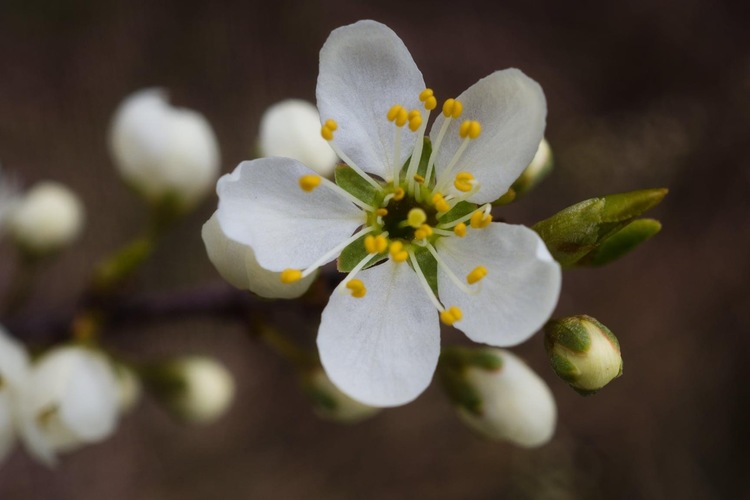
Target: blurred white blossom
{"points": [[291, 128], [330, 403], [162, 150], [14, 363], [46, 218], [516, 405]]}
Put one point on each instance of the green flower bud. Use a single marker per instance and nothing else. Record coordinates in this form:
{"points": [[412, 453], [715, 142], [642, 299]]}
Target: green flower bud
{"points": [[329, 403], [622, 242], [576, 231], [498, 396], [583, 352]]}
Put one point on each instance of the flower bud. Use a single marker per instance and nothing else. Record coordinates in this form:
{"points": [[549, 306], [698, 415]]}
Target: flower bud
{"points": [[47, 218], [330, 403], [583, 352], [70, 400], [291, 129], [129, 388], [573, 233], [166, 153], [195, 389], [498, 396], [538, 169], [236, 263]]}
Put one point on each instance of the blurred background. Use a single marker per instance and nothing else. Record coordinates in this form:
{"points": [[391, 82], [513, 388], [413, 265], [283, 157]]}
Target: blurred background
{"points": [[640, 94]]}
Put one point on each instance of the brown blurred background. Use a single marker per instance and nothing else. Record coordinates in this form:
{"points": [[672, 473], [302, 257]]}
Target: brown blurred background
{"points": [[640, 94]]}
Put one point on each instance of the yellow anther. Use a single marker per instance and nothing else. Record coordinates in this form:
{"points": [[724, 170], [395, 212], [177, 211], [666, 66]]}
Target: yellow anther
{"points": [[309, 182], [479, 219], [440, 204], [460, 229], [382, 212], [419, 179], [399, 194], [416, 217], [430, 103], [476, 275], [424, 231], [451, 315], [328, 128], [470, 129], [291, 275], [426, 94], [376, 244], [452, 108], [393, 112], [415, 120], [398, 254], [464, 182], [357, 288]]}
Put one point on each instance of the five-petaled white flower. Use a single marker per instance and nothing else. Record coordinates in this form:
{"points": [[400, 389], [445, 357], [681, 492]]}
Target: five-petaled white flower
{"points": [[419, 208]]}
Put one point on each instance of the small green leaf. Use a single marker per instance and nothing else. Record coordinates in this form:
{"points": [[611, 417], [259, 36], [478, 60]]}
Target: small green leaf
{"points": [[428, 264], [353, 255], [622, 242], [351, 182]]}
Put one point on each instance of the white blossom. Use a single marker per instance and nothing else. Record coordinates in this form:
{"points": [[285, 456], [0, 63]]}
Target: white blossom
{"points": [[425, 219], [14, 362]]}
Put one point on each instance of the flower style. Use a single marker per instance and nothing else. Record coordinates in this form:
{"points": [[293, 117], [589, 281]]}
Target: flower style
{"points": [[418, 207]]}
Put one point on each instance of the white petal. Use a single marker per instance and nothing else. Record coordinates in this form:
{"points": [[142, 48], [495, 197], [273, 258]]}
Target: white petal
{"points": [[512, 111], [262, 205], [291, 129], [381, 349], [517, 405], [520, 290], [237, 264], [365, 69]]}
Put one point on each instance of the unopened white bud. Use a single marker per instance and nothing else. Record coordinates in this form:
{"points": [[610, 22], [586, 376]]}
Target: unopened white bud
{"points": [[129, 388], [583, 352], [498, 396], [195, 389], [291, 129], [163, 151], [237, 264], [70, 400], [536, 171], [330, 403], [47, 218]]}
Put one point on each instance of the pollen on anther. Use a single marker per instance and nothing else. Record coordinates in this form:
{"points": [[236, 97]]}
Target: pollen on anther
{"points": [[480, 220], [357, 288], [440, 204], [460, 229], [452, 108], [451, 315], [376, 244], [398, 115], [428, 99], [415, 120], [309, 182], [382, 212], [290, 276], [476, 275], [419, 179], [424, 231], [397, 252], [328, 128], [399, 194], [464, 182], [470, 129]]}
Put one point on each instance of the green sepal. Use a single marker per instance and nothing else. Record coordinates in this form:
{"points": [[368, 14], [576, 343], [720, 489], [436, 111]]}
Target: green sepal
{"points": [[574, 232], [461, 209], [353, 255], [451, 372], [351, 182], [428, 264], [622, 242]]}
